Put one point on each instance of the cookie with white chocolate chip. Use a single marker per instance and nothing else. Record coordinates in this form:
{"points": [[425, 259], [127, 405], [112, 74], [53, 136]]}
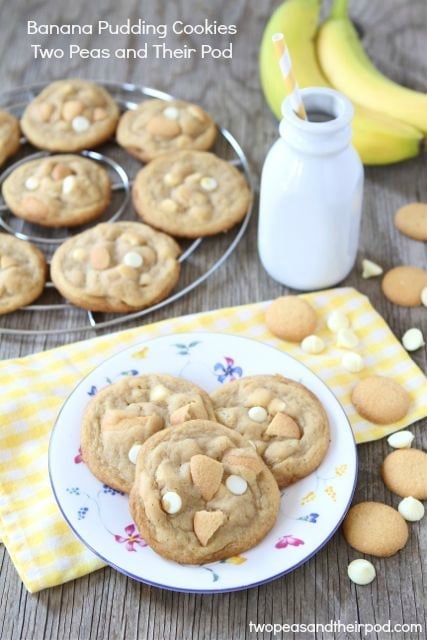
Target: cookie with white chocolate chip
{"points": [[10, 134], [156, 127], [58, 191], [22, 273], [122, 416], [282, 419], [191, 194], [116, 267], [201, 493], [70, 115]]}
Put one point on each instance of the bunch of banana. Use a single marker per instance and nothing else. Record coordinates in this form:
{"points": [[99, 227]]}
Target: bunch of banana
{"points": [[349, 70], [379, 137]]}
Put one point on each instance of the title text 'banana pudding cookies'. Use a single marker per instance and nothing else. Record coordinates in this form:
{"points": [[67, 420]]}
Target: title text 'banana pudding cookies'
{"points": [[157, 127], [202, 493], [70, 115], [120, 266], [121, 417], [283, 420], [22, 273], [191, 194], [58, 191], [9, 136]]}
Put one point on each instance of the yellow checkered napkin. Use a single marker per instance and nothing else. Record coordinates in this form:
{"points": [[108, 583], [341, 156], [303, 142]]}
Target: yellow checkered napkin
{"points": [[32, 390]]}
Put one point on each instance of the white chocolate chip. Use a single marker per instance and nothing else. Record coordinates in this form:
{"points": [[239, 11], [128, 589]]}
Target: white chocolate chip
{"points": [[171, 179], [32, 184], [312, 344], [133, 452], [80, 124], [168, 205], [257, 414], [68, 184], [171, 502], [79, 254], [171, 113], [401, 439], [133, 259], [337, 320], [370, 269], [413, 339], [347, 339], [411, 509], [361, 571], [193, 178], [236, 485], [208, 184], [352, 361], [159, 392], [424, 296]]}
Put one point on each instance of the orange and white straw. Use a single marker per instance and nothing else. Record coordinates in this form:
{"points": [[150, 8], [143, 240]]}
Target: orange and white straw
{"points": [[291, 85]]}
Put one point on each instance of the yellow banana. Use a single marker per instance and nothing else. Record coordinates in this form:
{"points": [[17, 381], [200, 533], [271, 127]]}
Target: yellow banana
{"points": [[378, 139], [349, 70]]}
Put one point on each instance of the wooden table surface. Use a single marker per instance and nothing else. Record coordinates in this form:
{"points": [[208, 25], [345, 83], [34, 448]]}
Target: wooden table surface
{"points": [[106, 604]]}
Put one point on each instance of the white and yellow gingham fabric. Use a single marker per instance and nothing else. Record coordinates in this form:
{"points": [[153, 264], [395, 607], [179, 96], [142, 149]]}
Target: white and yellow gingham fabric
{"points": [[32, 390]]}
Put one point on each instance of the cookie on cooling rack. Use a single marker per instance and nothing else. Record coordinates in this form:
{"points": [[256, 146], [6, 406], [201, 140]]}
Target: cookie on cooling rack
{"points": [[117, 267], [284, 421], [58, 191], [70, 115], [9, 136], [156, 127], [191, 194], [121, 417], [201, 493], [22, 273]]}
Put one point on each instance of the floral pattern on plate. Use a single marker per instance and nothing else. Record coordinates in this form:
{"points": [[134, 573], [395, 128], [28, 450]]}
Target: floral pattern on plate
{"points": [[310, 511]]}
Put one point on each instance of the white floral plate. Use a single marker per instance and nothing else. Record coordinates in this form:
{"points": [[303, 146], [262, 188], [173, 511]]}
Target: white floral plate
{"points": [[311, 510]]}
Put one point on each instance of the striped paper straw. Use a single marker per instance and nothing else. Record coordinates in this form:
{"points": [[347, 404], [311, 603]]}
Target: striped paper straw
{"points": [[288, 75]]}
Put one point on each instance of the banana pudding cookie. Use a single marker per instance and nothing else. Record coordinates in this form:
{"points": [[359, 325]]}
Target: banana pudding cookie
{"points": [[201, 493], [120, 418], [9, 136], [70, 115], [22, 273], [282, 419], [120, 266], [58, 191], [191, 194], [156, 127]]}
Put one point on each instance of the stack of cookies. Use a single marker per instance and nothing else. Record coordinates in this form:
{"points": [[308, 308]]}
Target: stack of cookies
{"points": [[184, 191], [204, 472]]}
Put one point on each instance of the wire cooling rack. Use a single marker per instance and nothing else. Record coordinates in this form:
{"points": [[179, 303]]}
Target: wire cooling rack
{"points": [[199, 258]]}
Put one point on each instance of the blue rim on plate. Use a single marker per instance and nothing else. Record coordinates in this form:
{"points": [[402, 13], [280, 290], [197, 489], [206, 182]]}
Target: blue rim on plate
{"points": [[196, 366]]}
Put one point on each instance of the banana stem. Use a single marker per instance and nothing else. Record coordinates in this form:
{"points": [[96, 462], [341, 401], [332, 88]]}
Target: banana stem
{"points": [[339, 9]]}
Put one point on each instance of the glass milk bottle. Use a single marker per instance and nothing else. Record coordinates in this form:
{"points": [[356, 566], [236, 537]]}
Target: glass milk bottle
{"points": [[311, 195]]}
